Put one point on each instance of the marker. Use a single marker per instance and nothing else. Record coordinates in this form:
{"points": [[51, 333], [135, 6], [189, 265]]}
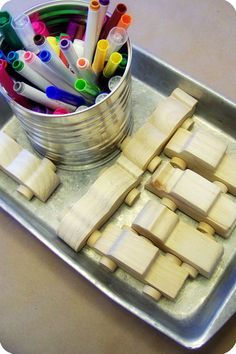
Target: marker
{"points": [[123, 63], [91, 30], [114, 82], [112, 64], [125, 21], [7, 82], [85, 70], [116, 38], [21, 53], [101, 97], [24, 70], [40, 28], [113, 20], [37, 65], [56, 94], [25, 32], [38, 109], [70, 54], [100, 56], [12, 56], [80, 32], [86, 88], [8, 31], [40, 97], [81, 108], [78, 45], [72, 29], [42, 43], [61, 111], [55, 64], [53, 43], [2, 55], [101, 15]]}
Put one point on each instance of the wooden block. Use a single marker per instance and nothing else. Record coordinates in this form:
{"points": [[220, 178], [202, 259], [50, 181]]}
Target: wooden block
{"points": [[133, 253], [166, 277], [142, 259], [195, 196], [36, 176], [168, 232], [205, 154], [150, 139], [101, 200]]}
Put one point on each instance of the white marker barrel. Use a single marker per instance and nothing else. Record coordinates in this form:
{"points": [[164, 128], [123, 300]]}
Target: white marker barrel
{"points": [[86, 71], [37, 65], [78, 45], [51, 60], [37, 96], [25, 70], [69, 51], [91, 30]]}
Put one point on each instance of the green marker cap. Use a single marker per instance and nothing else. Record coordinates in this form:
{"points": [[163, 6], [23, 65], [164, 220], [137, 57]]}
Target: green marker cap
{"points": [[86, 87], [124, 61], [4, 18], [18, 65]]}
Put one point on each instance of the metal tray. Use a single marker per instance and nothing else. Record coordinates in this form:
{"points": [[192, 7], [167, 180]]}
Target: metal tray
{"points": [[202, 306]]}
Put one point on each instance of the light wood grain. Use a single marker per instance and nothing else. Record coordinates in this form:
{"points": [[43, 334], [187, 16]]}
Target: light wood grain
{"points": [[140, 258], [150, 139], [117, 183], [164, 227], [206, 154], [195, 196], [98, 204], [35, 176]]}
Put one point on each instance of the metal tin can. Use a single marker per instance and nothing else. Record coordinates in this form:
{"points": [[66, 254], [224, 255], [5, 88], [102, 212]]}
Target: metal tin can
{"points": [[86, 139]]}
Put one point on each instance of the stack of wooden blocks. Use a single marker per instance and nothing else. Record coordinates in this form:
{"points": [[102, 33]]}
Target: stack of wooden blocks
{"points": [[158, 248]]}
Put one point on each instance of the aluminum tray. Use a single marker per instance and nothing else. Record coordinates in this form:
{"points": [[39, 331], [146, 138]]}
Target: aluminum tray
{"points": [[202, 306]]}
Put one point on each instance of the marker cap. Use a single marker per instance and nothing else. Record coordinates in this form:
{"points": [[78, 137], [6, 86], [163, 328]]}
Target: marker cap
{"points": [[125, 21], [117, 38], [39, 39], [104, 2], [2, 55], [45, 56], [18, 65], [12, 56], [61, 110]]}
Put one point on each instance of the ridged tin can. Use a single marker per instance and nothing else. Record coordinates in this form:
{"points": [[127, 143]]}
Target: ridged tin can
{"points": [[86, 139]]}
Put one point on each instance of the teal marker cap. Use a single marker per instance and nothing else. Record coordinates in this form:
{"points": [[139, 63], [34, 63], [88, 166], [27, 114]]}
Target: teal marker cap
{"points": [[8, 32], [18, 65]]}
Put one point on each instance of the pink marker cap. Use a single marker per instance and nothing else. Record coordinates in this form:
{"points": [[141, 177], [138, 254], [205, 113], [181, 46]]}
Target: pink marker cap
{"points": [[40, 28], [29, 57], [61, 110]]}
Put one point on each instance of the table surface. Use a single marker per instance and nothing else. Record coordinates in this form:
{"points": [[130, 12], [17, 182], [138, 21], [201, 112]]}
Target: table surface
{"points": [[45, 307]]}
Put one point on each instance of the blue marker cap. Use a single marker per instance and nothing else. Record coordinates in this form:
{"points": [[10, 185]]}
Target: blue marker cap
{"points": [[2, 55], [45, 56], [12, 56], [57, 94]]}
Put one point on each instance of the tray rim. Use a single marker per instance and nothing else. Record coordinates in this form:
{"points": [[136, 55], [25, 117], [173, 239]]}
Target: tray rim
{"points": [[221, 316]]}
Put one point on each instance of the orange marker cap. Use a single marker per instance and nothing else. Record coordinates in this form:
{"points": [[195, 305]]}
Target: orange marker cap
{"points": [[94, 5], [125, 21]]}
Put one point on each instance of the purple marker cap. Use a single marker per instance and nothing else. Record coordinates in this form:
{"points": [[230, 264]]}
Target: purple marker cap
{"points": [[64, 43], [104, 2]]}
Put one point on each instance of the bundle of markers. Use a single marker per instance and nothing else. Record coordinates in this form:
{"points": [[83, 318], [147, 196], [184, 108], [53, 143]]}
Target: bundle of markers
{"points": [[67, 72]]}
